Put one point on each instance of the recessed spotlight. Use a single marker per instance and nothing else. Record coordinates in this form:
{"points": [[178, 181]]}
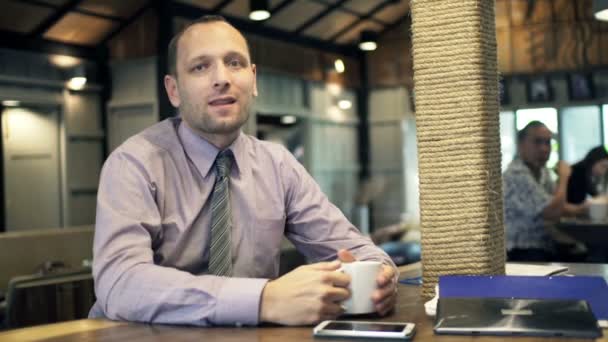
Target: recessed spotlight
{"points": [[10, 103], [258, 10], [344, 104], [77, 83], [288, 119], [339, 65]]}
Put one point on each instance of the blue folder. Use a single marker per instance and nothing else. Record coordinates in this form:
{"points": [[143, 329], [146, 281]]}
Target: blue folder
{"points": [[590, 288]]}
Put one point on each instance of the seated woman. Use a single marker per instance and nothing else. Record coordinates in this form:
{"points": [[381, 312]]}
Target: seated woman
{"points": [[586, 175]]}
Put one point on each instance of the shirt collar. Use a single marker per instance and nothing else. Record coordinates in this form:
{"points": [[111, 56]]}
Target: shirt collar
{"points": [[518, 165], [203, 153]]}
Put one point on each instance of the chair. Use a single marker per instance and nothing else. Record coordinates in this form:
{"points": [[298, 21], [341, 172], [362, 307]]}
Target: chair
{"points": [[49, 298]]}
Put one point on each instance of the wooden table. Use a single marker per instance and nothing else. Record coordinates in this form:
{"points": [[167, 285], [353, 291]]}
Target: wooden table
{"points": [[409, 309], [594, 234]]}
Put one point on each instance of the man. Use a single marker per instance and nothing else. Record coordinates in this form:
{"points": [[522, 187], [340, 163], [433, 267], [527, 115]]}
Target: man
{"points": [[191, 212], [532, 201]]}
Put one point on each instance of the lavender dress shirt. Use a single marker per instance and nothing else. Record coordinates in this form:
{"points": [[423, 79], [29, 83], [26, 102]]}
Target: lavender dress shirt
{"points": [[152, 230]]}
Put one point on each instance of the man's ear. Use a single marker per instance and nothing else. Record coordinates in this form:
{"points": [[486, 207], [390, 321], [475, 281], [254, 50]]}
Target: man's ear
{"points": [[172, 90], [255, 82]]}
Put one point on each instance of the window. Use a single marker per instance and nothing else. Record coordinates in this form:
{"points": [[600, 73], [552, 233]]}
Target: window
{"points": [[581, 131], [508, 145]]}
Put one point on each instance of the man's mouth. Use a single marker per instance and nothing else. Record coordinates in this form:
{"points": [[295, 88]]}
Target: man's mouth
{"points": [[222, 101]]}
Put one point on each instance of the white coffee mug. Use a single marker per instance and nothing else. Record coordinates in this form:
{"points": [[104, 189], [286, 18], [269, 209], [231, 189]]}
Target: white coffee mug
{"points": [[598, 211], [362, 285]]}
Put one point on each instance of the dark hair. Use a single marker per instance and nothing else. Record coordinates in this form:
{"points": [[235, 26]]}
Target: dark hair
{"points": [[172, 53], [594, 155], [523, 133]]}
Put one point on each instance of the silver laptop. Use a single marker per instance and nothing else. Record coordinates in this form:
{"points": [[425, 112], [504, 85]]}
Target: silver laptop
{"points": [[506, 316]]}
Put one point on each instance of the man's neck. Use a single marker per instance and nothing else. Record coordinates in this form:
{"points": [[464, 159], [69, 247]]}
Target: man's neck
{"points": [[221, 141]]}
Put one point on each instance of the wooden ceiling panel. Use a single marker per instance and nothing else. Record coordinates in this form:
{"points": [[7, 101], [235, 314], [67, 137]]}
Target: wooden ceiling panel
{"points": [[503, 47], [564, 10], [116, 8], [207, 4], [362, 6], [28, 16], [392, 13], [295, 15], [523, 14], [502, 14], [69, 29], [55, 2], [352, 35], [237, 8], [330, 24]]}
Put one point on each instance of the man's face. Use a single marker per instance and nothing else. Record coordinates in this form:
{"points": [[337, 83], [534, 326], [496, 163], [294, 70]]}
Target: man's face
{"points": [[536, 147], [215, 82]]}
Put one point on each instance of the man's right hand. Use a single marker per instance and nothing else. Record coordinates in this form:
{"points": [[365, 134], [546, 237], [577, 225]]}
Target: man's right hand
{"points": [[563, 170], [306, 295]]}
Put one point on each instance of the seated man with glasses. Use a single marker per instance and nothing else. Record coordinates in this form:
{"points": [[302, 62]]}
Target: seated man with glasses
{"points": [[533, 202]]}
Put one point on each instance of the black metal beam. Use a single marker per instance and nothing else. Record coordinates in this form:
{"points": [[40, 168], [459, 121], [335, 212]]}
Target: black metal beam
{"points": [[353, 12], [77, 10], [165, 14], [318, 17], [191, 12], [127, 22], [55, 17], [280, 7], [221, 6], [407, 18], [367, 16], [18, 41]]}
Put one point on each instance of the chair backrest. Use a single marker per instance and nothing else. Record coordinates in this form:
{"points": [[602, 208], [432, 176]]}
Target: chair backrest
{"points": [[49, 298]]}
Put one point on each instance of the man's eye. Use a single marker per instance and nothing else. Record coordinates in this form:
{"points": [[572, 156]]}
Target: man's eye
{"points": [[235, 63], [199, 67]]}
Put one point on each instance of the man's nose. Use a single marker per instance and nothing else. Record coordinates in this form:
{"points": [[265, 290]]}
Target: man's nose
{"points": [[221, 78]]}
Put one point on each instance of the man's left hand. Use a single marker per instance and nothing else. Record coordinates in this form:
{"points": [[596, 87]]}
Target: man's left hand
{"points": [[385, 296]]}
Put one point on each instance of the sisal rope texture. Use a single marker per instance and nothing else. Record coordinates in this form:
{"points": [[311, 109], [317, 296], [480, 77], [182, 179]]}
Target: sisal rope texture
{"points": [[456, 82]]}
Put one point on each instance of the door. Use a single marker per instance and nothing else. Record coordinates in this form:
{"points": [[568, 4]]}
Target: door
{"points": [[32, 196]]}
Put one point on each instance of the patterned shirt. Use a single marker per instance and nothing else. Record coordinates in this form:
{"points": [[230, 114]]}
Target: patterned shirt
{"points": [[153, 224], [525, 198]]}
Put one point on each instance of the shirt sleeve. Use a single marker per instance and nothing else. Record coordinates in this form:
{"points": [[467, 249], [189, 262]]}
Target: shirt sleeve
{"points": [[128, 284], [315, 226]]}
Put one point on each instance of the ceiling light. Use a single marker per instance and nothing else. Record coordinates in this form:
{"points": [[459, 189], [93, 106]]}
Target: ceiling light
{"points": [[77, 77], [600, 9], [339, 65], [288, 119], [344, 104], [77, 83], [63, 61], [368, 40], [10, 103], [258, 10]]}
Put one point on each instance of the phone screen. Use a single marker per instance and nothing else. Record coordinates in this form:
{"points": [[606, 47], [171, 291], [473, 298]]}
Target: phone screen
{"points": [[354, 326]]}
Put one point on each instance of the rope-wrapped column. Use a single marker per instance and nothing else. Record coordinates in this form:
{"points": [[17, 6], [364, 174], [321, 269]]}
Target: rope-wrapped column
{"points": [[456, 82]]}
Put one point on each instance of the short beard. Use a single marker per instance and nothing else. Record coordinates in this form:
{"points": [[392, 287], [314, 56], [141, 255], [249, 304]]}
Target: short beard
{"points": [[204, 123]]}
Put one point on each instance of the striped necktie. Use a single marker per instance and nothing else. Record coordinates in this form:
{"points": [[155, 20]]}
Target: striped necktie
{"points": [[220, 255]]}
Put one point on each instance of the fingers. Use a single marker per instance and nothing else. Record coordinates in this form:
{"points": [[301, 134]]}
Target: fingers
{"points": [[386, 276], [326, 265], [332, 310], [334, 294], [346, 256], [336, 279], [382, 293], [385, 306]]}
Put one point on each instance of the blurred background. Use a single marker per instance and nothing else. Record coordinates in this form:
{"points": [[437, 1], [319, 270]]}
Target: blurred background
{"points": [[335, 77]]}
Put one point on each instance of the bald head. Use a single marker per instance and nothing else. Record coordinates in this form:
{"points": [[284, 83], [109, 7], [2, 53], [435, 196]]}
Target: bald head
{"points": [[174, 45]]}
